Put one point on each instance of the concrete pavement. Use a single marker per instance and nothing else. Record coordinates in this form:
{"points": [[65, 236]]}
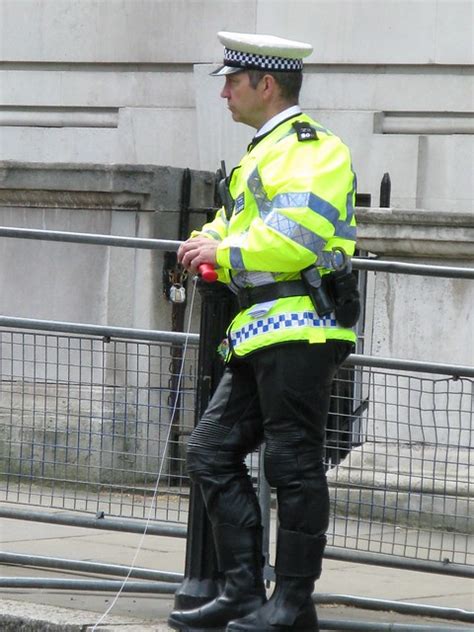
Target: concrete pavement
{"points": [[71, 611]]}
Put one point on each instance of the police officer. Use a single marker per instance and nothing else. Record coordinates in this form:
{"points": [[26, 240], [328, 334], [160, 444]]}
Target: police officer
{"points": [[290, 208]]}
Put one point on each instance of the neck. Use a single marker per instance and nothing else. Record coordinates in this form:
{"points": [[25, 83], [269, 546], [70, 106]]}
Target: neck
{"points": [[272, 111], [276, 119]]}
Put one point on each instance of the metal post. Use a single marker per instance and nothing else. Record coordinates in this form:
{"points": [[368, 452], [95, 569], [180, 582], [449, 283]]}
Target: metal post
{"points": [[175, 274], [363, 199], [385, 190], [201, 578]]}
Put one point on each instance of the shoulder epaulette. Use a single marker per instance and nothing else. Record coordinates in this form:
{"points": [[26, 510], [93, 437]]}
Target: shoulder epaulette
{"points": [[304, 131]]}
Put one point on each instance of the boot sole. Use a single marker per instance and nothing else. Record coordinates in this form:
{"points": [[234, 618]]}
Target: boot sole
{"points": [[186, 628], [272, 629]]}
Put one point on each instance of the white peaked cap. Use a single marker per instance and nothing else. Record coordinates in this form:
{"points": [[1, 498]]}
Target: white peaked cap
{"points": [[251, 51]]}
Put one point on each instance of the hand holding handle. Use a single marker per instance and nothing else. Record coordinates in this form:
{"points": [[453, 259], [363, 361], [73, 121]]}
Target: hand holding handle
{"points": [[207, 272]]}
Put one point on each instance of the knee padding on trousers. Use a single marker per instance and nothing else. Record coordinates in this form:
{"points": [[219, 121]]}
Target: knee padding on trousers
{"points": [[284, 464], [203, 463], [207, 435], [204, 442], [198, 462]]}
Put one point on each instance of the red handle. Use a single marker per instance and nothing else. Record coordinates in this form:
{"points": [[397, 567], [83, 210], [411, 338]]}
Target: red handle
{"points": [[207, 272]]}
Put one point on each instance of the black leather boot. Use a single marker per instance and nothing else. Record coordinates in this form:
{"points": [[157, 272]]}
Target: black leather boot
{"points": [[298, 565], [239, 552]]}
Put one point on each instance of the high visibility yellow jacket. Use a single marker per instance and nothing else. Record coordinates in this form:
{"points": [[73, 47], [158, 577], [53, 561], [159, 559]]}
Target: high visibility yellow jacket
{"points": [[293, 202]]}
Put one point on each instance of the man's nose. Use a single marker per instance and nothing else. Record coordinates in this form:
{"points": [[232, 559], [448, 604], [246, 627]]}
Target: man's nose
{"points": [[225, 92]]}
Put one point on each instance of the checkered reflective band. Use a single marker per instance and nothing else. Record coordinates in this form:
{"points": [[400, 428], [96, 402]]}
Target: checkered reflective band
{"points": [[252, 61], [270, 324]]}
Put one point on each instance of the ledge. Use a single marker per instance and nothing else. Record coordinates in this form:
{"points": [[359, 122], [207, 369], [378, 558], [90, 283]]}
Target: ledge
{"points": [[100, 187], [415, 485], [381, 231], [416, 233]]}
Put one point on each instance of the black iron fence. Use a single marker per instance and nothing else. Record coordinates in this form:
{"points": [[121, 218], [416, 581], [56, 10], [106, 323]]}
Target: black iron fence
{"points": [[90, 416]]}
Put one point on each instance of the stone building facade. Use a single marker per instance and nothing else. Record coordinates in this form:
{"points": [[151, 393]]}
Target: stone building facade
{"points": [[126, 82]]}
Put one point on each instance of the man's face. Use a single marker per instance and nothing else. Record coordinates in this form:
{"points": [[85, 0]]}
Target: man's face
{"points": [[244, 101]]}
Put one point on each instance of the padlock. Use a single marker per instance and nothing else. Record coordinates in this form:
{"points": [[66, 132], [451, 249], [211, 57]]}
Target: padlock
{"points": [[177, 293]]}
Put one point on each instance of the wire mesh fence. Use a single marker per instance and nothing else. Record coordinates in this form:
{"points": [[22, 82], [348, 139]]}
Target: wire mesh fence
{"points": [[85, 421], [403, 488]]}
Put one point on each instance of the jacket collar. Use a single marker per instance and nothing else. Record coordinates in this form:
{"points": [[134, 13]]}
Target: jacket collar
{"points": [[274, 122]]}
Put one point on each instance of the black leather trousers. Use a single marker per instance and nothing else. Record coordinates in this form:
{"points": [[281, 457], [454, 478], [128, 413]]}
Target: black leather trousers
{"points": [[280, 396]]}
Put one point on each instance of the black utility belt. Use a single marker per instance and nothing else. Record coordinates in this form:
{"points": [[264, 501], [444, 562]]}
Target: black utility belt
{"points": [[248, 296], [336, 292]]}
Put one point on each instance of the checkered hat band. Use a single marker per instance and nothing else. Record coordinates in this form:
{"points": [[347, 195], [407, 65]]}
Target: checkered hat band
{"points": [[261, 62]]}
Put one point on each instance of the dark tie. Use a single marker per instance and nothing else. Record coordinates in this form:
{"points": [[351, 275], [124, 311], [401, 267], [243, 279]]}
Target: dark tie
{"points": [[252, 144], [255, 140]]}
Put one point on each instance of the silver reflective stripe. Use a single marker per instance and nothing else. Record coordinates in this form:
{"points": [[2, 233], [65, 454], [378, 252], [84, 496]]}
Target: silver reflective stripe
{"points": [[236, 261], [223, 216], [312, 201], [245, 278], [318, 205], [349, 201], [325, 260], [213, 234], [301, 200], [296, 232], [255, 186]]}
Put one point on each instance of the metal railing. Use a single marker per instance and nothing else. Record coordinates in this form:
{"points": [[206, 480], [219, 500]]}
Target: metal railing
{"points": [[84, 423], [84, 413], [46, 376], [359, 263]]}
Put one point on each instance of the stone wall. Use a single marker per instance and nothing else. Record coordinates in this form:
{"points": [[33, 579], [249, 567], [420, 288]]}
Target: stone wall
{"points": [[406, 314], [85, 410], [106, 82], [412, 466], [88, 283], [91, 85]]}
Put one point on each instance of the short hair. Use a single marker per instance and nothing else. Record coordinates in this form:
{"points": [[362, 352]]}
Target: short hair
{"points": [[289, 82]]}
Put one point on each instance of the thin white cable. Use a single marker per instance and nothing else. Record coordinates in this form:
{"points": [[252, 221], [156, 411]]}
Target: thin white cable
{"points": [[155, 491]]}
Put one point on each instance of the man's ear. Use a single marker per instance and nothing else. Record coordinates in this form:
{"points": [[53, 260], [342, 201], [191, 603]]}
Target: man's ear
{"points": [[269, 85]]}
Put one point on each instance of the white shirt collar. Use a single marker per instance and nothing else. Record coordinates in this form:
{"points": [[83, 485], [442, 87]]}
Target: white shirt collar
{"points": [[293, 110]]}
